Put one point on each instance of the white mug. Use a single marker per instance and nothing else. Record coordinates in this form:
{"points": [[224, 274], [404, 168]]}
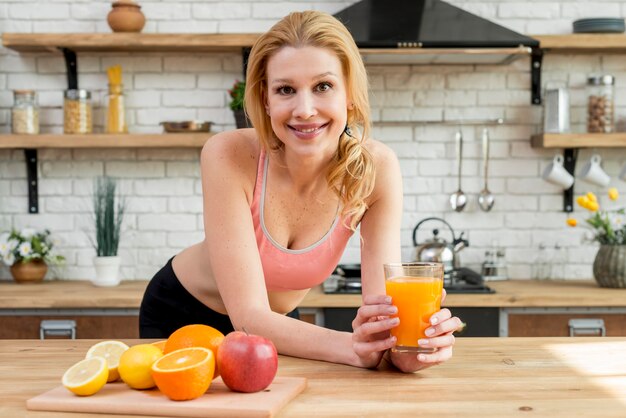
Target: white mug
{"points": [[555, 173], [592, 172]]}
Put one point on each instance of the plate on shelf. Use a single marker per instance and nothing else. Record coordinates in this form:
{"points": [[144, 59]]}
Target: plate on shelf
{"points": [[599, 25]]}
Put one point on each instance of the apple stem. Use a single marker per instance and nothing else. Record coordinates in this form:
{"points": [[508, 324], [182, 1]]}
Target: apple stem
{"points": [[244, 330]]}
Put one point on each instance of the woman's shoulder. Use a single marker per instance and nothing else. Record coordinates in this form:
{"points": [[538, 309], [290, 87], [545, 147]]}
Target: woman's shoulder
{"points": [[235, 153], [382, 154]]}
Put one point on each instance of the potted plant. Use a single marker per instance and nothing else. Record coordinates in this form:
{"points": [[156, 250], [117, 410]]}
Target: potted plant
{"points": [[237, 94], [108, 210], [609, 229], [28, 253]]}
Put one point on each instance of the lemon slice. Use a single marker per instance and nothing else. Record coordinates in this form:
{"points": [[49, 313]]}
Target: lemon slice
{"points": [[87, 376], [111, 351]]}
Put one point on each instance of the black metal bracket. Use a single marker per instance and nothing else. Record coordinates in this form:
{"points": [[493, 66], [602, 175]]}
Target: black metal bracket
{"points": [[31, 172], [536, 58], [71, 64], [245, 54], [570, 155]]}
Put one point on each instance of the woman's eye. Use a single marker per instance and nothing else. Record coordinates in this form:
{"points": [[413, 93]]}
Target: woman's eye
{"points": [[324, 87], [284, 90]]}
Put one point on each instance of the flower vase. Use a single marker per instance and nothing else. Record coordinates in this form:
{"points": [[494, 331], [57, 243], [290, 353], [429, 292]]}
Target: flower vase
{"points": [[609, 267], [107, 271], [241, 119], [29, 272]]}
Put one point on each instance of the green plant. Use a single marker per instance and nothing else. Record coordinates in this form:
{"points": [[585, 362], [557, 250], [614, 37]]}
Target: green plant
{"points": [[28, 245], [237, 95], [108, 209], [608, 226]]}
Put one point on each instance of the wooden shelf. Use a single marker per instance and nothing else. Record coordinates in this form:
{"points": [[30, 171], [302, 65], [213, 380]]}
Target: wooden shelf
{"points": [[185, 140], [584, 140], [128, 42], [581, 43]]}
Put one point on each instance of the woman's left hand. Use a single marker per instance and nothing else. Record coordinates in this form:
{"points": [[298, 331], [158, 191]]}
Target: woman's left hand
{"points": [[443, 324]]}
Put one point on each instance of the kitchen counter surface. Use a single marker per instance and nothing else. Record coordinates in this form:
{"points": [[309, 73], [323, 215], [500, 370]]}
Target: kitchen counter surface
{"points": [[509, 294], [487, 377]]}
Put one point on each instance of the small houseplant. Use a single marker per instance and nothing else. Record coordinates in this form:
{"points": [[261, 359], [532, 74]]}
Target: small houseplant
{"points": [[28, 252], [237, 94], [609, 230], [108, 210]]}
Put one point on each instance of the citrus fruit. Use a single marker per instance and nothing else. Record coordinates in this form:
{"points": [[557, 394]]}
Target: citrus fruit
{"points": [[135, 364], [184, 374], [160, 344], [111, 351], [87, 376], [196, 335]]}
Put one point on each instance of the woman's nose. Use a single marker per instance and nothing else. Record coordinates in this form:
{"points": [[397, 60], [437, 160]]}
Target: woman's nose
{"points": [[305, 106]]}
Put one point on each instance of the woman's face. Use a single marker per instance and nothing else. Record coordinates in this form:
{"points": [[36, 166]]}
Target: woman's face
{"points": [[307, 100]]}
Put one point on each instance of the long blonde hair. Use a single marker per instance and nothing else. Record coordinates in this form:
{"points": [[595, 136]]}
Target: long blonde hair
{"points": [[351, 173]]}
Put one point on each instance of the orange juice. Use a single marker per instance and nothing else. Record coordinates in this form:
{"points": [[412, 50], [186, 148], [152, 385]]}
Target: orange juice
{"points": [[416, 298]]}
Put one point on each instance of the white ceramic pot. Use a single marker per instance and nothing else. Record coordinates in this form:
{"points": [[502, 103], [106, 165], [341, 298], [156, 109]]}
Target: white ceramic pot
{"points": [[107, 271]]}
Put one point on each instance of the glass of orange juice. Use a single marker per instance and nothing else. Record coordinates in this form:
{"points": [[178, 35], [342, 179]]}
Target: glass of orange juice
{"points": [[415, 289]]}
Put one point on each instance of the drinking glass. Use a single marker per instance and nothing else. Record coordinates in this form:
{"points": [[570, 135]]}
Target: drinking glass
{"points": [[415, 289]]}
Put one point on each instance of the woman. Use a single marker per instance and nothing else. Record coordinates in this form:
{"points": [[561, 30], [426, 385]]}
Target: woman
{"points": [[282, 200]]}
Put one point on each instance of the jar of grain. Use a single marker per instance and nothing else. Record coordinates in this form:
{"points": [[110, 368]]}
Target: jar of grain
{"points": [[77, 112], [25, 113], [600, 104]]}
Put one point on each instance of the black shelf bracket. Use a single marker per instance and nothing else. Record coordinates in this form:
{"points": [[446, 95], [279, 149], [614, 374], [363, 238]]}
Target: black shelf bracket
{"points": [[536, 58], [30, 156], [245, 53], [71, 63], [569, 155]]}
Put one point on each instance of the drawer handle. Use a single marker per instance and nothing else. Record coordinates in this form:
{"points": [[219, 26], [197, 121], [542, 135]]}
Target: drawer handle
{"points": [[57, 327], [586, 327]]}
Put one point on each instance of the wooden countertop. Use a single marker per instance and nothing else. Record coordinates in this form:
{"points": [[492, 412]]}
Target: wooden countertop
{"points": [[77, 294], [487, 377]]}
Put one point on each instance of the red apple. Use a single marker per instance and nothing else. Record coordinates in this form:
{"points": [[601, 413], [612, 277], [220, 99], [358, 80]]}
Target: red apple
{"points": [[247, 362]]}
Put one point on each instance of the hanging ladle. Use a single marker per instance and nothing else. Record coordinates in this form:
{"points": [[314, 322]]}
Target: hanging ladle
{"points": [[458, 200], [485, 198]]}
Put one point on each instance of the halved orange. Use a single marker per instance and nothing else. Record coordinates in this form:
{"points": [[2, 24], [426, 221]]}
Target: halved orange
{"points": [[195, 335], [184, 374]]}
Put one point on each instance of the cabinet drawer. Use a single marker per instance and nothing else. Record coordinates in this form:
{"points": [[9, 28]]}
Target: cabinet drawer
{"points": [[87, 326], [557, 324]]}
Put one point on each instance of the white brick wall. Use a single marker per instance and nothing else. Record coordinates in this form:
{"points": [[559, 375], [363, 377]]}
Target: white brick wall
{"points": [[408, 103]]}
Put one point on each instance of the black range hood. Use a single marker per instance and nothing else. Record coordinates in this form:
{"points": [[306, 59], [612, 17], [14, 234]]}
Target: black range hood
{"points": [[433, 30]]}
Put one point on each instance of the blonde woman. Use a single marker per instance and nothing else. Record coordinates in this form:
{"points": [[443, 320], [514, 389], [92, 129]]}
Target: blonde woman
{"points": [[281, 201]]}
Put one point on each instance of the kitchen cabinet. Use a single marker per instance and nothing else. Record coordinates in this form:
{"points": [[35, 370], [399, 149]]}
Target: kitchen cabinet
{"points": [[556, 323]]}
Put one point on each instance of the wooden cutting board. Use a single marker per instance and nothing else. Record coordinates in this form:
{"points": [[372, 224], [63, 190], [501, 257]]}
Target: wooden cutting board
{"points": [[219, 401]]}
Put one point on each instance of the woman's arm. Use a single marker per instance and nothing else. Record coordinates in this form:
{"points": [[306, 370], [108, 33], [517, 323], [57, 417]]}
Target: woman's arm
{"points": [[235, 260]]}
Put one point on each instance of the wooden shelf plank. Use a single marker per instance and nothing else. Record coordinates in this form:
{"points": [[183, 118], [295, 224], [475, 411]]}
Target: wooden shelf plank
{"points": [[583, 140], [128, 42], [583, 42], [170, 140]]}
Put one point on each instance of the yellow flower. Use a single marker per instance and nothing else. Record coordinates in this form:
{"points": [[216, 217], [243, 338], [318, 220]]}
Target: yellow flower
{"points": [[592, 197], [572, 222], [613, 193], [583, 201], [593, 206]]}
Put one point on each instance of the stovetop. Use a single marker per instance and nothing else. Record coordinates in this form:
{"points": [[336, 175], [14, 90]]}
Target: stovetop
{"points": [[462, 280]]}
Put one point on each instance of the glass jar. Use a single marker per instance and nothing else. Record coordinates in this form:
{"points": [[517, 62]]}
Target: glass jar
{"points": [[116, 114], [25, 113], [600, 104], [77, 112]]}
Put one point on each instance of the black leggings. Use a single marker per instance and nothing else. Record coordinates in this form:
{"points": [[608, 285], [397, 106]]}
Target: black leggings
{"points": [[167, 306]]}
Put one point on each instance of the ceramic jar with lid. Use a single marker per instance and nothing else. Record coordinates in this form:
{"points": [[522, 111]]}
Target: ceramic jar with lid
{"points": [[25, 113], [126, 16], [600, 104]]}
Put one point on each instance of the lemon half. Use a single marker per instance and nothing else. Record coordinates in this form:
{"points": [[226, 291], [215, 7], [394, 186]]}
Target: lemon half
{"points": [[87, 376], [111, 351]]}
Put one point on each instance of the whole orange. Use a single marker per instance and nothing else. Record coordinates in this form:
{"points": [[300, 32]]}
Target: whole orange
{"points": [[184, 374], [195, 335]]}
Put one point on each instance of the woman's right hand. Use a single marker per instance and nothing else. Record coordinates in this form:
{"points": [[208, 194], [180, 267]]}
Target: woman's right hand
{"points": [[371, 330]]}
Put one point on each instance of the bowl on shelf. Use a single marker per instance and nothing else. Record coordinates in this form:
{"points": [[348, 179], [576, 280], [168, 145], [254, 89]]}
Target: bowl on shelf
{"points": [[190, 126], [599, 25]]}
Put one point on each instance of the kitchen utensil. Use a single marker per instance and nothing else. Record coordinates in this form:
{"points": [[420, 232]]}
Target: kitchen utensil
{"points": [[187, 126], [593, 172], [117, 398], [556, 111], [458, 200], [126, 16], [486, 198], [555, 173], [438, 249]]}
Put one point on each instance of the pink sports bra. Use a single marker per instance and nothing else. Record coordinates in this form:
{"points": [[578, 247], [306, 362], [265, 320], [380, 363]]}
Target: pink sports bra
{"points": [[286, 269]]}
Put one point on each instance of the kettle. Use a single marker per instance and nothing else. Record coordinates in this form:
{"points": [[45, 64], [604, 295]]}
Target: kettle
{"points": [[438, 249]]}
